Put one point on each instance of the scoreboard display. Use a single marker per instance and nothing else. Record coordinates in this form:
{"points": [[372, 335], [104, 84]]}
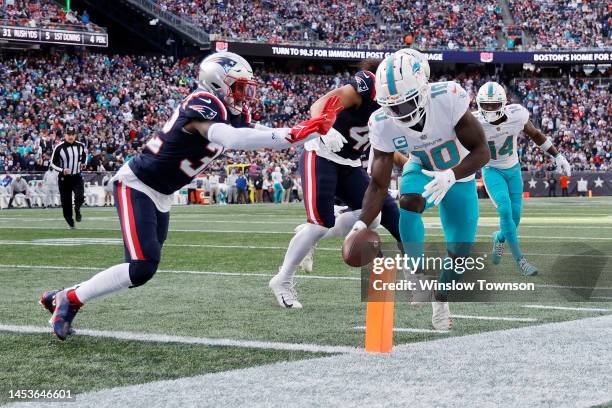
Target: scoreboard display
{"points": [[53, 36]]}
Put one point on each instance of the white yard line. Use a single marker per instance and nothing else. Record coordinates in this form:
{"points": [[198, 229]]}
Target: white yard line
{"points": [[576, 309], [180, 271], [119, 241], [430, 223], [206, 341], [225, 231], [506, 319], [235, 274], [410, 330], [536, 366]]}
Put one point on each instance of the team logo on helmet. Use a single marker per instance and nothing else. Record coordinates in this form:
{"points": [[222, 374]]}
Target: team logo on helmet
{"points": [[226, 63], [361, 84]]}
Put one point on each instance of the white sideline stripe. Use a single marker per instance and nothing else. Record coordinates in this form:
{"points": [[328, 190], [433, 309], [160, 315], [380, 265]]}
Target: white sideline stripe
{"points": [[506, 319], [487, 236], [206, 341], [409, 330], [255, 274], [602, 297], [578, 309], [567, 374], [117, 241]]}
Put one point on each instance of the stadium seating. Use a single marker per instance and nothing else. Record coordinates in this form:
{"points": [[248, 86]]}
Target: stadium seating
{"points": [[479, 24], [564, 24], [45, 14], [575, 113]]}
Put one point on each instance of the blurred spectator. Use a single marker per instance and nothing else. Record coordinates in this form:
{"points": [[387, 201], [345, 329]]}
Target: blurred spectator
{"points": [[287, 187], [241, 186], [575, 113], [258, 185], [51, 189], [45, 14], [19, 186], [555, 24]]}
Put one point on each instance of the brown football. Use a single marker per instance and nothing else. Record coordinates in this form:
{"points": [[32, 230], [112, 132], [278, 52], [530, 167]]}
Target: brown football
{"points": [[361, 247]]}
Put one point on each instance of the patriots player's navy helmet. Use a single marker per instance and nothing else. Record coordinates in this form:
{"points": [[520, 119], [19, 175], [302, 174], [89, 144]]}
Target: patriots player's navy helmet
{"points": [[229, 76]]}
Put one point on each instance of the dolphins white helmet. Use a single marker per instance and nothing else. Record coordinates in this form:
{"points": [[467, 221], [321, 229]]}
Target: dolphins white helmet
{"points": [[401, 88], [420, 57], [230, 77], [491, 101]]}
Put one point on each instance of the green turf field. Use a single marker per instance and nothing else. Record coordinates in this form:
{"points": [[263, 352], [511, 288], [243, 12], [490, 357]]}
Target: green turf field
{"points": [[212, 283]]}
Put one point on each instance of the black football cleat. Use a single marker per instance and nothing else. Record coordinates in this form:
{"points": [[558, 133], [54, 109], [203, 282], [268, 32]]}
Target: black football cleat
{"points": [[78, 216]]}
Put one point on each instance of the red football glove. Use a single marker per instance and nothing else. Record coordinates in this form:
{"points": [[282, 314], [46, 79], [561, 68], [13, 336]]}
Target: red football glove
{"points": [[321, 124], [330, 110], [304, 129]]}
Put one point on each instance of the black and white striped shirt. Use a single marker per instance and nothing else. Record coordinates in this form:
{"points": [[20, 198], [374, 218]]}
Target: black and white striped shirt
{"points": [[68, 156]]}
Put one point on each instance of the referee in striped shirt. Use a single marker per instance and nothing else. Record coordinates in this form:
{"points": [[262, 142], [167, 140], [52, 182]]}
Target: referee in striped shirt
{"points": [[68, 159]]}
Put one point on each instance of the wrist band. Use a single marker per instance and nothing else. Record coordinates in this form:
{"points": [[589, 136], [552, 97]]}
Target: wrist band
{"points": [[546, 145]]}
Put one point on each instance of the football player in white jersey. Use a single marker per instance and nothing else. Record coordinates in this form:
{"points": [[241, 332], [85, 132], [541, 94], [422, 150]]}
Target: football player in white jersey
{"points": [[431, 122], [502, 175]]}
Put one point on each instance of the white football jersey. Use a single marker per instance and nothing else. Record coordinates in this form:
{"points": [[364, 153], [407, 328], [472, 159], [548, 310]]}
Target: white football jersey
{"points": [[502, 138], [436, 147]]}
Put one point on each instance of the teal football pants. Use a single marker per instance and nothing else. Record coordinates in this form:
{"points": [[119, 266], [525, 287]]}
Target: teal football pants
{"points": [[458, 213], [505, 188]]}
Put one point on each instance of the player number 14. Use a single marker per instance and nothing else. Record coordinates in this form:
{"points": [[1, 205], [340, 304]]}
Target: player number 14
{"points": [[506, 149]]}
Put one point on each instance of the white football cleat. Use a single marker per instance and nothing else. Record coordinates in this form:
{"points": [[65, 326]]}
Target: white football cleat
{"points": [[418, 297], [440, 318], [308, 261], [285, 293]]}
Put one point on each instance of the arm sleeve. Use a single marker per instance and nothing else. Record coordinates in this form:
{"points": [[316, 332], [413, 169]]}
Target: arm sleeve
{"points": [[251, 139], [55, 159], [259, 126]]}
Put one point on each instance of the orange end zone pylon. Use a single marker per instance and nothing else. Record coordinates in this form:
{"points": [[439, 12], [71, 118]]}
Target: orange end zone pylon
{"points": [[379, 314]]}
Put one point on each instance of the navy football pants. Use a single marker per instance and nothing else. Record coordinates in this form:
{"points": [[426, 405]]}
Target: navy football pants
{"points": [[144, 231], [324, 180]]}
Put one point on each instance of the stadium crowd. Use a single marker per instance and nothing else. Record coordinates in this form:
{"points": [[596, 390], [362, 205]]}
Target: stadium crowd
{"points": [[43, 14], [388, 23], [557, 24], [575, 113], [116, 102], [438, 24]]}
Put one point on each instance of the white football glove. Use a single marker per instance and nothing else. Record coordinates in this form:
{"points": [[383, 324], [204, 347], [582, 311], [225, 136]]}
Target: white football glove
{"points": [[333, 140], [563, 166], [436, 189]]}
